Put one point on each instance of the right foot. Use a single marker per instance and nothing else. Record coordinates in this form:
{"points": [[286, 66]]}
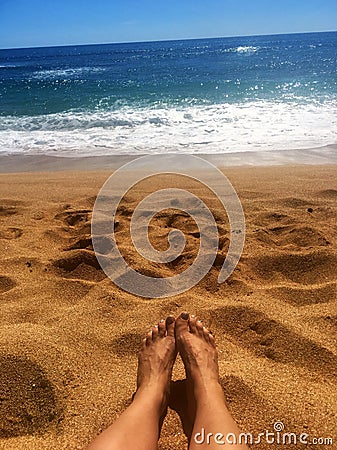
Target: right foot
{"points": [[198, 352], [206, 403]]}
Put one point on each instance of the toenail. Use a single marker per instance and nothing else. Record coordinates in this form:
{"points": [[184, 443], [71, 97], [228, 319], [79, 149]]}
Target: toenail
{"points": [[162, 321], [169, 320], [192, 316], [185, 316]]}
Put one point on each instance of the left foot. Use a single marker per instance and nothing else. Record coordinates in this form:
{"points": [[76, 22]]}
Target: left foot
{"points": [[155, 362]]}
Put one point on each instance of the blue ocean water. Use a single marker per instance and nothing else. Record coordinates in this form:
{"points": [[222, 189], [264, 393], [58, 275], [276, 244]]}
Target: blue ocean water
{"points": [[202, 96]]}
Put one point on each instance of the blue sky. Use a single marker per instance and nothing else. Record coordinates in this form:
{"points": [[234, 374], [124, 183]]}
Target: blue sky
{"points": [[26, 23]]}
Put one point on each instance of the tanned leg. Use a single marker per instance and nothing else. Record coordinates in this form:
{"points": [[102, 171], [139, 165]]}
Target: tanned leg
{"points": [[138, 428], [200, 357]]}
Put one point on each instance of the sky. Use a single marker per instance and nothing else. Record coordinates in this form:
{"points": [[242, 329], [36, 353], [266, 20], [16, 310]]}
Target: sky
{"points": [[32, 23]]}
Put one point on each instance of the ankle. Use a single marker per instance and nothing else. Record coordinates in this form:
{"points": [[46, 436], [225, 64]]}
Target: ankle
{"points": [[204, 379], [208, 391], [155, 389]]}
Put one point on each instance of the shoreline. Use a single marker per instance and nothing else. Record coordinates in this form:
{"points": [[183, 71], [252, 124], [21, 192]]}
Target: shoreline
{"points": [[325, 155]]}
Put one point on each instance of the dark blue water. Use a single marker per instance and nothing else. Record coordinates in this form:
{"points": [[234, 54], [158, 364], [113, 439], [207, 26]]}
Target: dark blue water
{"points": [[206, 95]]}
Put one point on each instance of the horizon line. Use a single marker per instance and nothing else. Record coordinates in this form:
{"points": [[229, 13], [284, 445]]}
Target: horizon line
{"points": [[165, 40]]}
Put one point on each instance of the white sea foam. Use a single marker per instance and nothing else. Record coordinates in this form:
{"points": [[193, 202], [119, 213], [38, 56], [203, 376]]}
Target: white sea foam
{"points": [[8, 66], [65, 73], [246, 49], [224, 128], [242, 50]]}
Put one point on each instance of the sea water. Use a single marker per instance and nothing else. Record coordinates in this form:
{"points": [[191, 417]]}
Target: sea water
{"points": [[221, 95]]}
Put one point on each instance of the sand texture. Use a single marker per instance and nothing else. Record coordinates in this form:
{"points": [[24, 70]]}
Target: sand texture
{"points": [[69, 337]]}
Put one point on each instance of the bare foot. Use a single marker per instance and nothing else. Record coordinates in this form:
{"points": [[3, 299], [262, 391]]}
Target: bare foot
{"points": [[155, 362], [199, 354]]}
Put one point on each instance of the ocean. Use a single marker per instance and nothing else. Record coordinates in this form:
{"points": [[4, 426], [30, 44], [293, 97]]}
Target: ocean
{"points": [[222, 95]]}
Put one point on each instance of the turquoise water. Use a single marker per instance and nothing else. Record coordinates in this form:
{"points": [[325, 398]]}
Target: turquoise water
{"points": [[205, 95]]}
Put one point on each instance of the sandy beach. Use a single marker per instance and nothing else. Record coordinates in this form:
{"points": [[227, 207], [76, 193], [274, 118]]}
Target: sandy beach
{"points": [[69, 337]]}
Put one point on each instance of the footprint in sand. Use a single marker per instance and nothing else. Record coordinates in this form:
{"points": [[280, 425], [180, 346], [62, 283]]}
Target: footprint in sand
{"points": [[9, 207], [277, 218], [127, 344], [295, 203], [81, 264], [294, 236], [74, 218], [11, 233], [307, 269], [306, 295], [76, 223], [329, 194], [28, 402], [331, 320], [6, 284], [7, 210], [268, 338], [84, 242]]}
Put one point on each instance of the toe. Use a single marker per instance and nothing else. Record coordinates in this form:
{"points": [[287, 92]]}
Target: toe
{"points": [[148, 338], [181, 324], [170, 325], [200, 328], [206, 334], [193, 324], [155, 332], [212, 340], [161, 328]]}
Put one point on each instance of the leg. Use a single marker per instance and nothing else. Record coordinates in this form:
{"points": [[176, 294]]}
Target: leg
{"points": [[206, 398], [138, 428]]}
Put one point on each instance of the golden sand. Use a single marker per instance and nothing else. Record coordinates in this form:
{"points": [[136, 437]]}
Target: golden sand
{"points": [[69, 337]]}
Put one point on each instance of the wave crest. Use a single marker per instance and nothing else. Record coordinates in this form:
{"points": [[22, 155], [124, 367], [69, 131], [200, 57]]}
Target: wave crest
{"points": [[246, 49], [65, 73], [222, 128]]}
